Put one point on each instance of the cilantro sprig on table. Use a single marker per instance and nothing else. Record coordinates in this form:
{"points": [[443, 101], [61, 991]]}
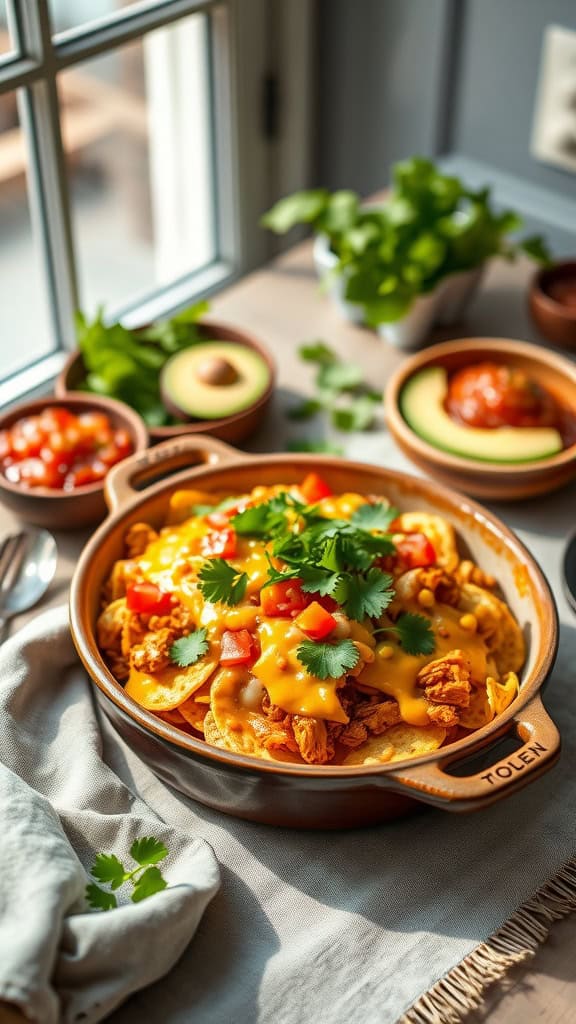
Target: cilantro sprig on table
{"points": [[146, 878], [341, 390]]}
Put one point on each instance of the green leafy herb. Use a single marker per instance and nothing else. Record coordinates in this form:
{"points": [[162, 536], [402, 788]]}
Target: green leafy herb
{"points": [[327, 661], [365, 595], [318, 352], [341, 392], [149, 883], [126, 364], [221, 582], [100, 899], [376, 516], [266, 519], [357, 414], [415, 633], [430, 225], [145, 878], [187, 650], [321, 447]]}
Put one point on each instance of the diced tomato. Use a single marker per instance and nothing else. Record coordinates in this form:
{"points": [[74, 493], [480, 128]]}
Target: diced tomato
{"points": [[219, 543], [414, 550], [315, 621], [237, 647], [59, 450], [313, 488], [147, 598], [284, 599]]}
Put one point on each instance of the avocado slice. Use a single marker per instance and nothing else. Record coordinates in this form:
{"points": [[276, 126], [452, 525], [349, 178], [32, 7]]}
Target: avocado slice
{"points": [[213, 379], [422, 406]]}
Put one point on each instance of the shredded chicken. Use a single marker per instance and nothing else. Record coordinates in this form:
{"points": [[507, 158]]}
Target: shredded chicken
{"points": [[443, 714], [314, 742], [369, 719], [467, 572], [447, 680], [137, 539], [153, 653], [275, 733], [410, 584]]}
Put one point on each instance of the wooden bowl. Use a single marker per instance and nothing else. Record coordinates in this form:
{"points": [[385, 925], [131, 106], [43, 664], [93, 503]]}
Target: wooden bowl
{"points": [[314, 796], [234, 428], [57, 509], [555, 320], [495, 480]]}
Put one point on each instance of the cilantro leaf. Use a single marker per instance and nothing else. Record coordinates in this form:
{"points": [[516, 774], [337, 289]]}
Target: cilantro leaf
{"points": [[316, 580], [327, 661], [317, 352], [366, 595], [221, 582], [357, 415], [148, 850], [265, 519], [150, 881], [107, 868], [374, 517], [339, 377], [415, 634], [187, 650], [99, 899], [278, 575], [306, 409], [315, 446]]}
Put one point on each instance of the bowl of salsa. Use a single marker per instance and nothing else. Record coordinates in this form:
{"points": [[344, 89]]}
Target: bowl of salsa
{"points": [[552, 303], [493, 417], [55, 455]]}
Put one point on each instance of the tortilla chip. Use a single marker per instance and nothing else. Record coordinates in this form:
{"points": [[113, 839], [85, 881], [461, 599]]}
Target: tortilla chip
{"points": [[398, 743], [173, 685], [193, 712], [478, 712], [497, 626], [501, 695]]}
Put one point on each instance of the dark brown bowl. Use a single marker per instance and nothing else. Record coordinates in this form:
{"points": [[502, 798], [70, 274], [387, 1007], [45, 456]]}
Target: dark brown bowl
{"points": [[313, 796], [229, 428], [555, 320], [56, 509], [495, 480]]}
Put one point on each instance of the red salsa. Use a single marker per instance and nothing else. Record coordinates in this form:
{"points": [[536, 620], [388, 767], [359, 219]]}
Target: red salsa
{"points": [[62, 451]]}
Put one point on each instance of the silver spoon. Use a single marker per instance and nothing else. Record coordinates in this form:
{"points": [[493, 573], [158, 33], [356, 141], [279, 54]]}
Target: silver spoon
{"points": [[27, 567], [569, 572]]}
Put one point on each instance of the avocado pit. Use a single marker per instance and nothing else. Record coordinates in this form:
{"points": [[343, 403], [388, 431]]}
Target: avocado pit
{"points": [[216, 372]]}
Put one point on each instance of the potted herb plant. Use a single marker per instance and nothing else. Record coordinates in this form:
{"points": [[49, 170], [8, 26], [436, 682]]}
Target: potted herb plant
{"points": [[413, 259]]}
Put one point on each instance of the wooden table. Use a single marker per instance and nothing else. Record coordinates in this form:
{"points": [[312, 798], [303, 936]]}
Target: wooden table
{"points": [[282, 305]]}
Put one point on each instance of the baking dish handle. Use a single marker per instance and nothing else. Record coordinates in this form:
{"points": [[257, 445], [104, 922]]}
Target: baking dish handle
{"points": [[540, 749], [134, 474]]}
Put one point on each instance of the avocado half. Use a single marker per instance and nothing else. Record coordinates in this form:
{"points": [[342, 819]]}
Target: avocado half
{"points": [[422, 406], [213, 379]]}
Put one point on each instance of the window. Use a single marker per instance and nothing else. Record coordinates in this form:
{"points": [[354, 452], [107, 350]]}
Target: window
{"points": [[136, 157]]}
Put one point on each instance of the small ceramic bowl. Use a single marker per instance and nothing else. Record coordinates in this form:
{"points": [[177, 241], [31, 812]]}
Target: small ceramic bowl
{"points": [[554, 317], [83, 506], [229, 428], [495, 480]]}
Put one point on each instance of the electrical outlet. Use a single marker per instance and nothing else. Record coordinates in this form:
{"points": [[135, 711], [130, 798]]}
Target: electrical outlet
{"points": [[554, 127]]}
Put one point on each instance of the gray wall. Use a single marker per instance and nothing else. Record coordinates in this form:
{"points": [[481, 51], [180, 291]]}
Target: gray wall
{"points": [[398, 77], [380, 70], [498, 59]]}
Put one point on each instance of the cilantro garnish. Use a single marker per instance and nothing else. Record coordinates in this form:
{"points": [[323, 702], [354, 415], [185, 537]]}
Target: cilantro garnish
{"points": [[146, 878], [415, 634], [221, 582], [187, 650], [365, 595], [327, 661], [266, 519], [377, 516]]}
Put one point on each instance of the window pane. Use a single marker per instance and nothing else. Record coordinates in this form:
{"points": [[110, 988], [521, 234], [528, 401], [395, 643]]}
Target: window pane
{"points": [[137, 140], [67, 14], [24, 323], [6, 43]]}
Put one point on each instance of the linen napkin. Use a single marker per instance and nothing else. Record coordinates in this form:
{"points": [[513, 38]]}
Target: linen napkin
{"points": [[60, 804]]}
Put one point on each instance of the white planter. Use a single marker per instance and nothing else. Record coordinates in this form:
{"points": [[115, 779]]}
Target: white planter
{"points": [[443, 306]]}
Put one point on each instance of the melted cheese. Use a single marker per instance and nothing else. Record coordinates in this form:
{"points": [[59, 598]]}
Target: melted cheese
{"points": [[288, 683], [396, 675]]}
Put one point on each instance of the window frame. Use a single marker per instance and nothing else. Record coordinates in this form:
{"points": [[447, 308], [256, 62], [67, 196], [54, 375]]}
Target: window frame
{"points": [[241, 59]]}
